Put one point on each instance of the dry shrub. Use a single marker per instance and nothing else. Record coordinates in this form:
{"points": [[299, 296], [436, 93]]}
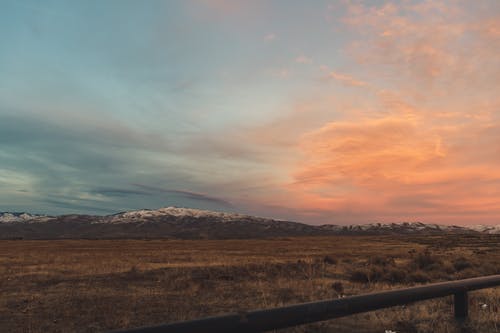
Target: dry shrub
{"points": [[338, 287], [365, 275], [376, 274], [396, 275], [461, 263], [381, 261], [329, 260], [419, 277], [425, 260], [380, 269], [285, 295], [449, 269], [361, 275]]}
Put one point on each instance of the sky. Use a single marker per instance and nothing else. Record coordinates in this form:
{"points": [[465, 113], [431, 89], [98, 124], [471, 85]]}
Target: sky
{"points": [[315, 111]]}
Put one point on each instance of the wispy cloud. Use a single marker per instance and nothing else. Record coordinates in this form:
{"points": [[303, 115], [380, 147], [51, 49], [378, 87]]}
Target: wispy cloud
{"points": [[346, 79], [119, 192], [76, 206], [186, 194]]}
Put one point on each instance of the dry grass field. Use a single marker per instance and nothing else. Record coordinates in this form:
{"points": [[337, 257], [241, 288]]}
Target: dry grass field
{"points": [[100, 285]]}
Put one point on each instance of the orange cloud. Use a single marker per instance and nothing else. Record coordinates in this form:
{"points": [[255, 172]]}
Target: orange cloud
{"points": [[421, 142], [366, 152], [397, 167], [424, 141]]}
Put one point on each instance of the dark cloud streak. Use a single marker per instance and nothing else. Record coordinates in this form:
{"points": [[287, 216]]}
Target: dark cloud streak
{"points": [[71, 162], [118, 192], [76, 206], [186, 194]]}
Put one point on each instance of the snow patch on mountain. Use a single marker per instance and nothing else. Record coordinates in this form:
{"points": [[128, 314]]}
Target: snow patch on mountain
{"points": [[146, 214], [487, 229]]}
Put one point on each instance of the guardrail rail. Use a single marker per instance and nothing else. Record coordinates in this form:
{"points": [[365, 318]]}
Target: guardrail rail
{"points": [[304, 313]]}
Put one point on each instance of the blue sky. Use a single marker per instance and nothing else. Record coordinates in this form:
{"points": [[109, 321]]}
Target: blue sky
{"points": [[115, 105], [99, 96]]}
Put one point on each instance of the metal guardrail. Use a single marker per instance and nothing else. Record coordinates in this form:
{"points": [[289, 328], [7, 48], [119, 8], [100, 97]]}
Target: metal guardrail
{"points": [[294, 315]]}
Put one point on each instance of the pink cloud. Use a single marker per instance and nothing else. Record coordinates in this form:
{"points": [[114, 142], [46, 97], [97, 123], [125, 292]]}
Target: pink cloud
{"points": [[346, 79]]}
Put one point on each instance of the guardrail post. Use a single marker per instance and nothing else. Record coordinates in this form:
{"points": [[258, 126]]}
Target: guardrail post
{"points": [[461, 304]]}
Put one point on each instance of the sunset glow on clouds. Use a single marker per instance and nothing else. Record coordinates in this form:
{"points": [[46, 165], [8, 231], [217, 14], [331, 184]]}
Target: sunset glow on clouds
{"points": [[332, 112]]}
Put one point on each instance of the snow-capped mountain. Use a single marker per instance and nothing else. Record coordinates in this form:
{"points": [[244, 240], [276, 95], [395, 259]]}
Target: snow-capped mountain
{"points": [[170, 222], [8, 217], [487, 229], [146, 214], [187, 223], [398, 228]]}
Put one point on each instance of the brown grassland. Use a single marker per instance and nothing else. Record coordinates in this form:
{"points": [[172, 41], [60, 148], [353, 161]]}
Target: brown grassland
{"points": [[100, 285]]}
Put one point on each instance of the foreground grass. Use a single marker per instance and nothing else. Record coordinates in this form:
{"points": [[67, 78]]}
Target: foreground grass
{"points": [[95, 286]]}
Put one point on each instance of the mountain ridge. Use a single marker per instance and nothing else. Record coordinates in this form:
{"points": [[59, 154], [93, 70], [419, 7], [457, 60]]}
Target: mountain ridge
{"points": [[189, 223]]}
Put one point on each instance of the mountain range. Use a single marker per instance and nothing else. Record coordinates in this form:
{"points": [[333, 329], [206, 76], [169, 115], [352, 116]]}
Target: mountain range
{"points": [[187, 223]]}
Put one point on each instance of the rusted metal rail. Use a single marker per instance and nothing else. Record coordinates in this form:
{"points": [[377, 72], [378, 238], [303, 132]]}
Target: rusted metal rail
{"points": [[294, 315]]}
